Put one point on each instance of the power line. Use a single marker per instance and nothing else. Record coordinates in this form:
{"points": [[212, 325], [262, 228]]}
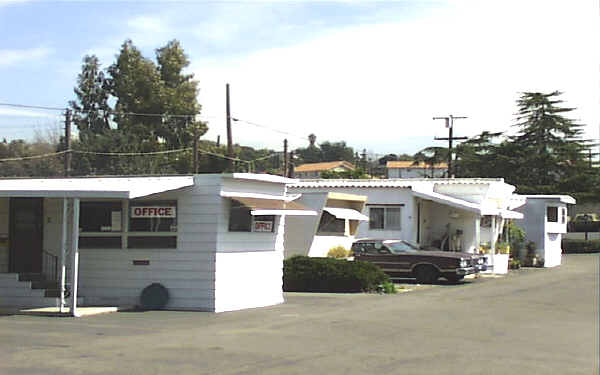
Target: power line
{"points": [[32, 106], [42, 156], [269, 128]]}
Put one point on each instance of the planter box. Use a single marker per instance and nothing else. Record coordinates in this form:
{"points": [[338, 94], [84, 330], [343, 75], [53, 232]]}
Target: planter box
{"points": [[497, 263]]}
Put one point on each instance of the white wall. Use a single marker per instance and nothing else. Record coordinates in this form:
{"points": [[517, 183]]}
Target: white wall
{"points": [[249, 265], [300, 230]]}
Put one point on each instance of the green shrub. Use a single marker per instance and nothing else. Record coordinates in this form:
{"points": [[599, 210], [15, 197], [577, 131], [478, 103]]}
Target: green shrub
{"points": [[387, 287], [306, 274], [338, 252], [570, 246]]}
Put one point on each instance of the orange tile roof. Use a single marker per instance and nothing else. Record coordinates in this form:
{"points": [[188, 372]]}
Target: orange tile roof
{"points": [[326, 166], [410, 164]]}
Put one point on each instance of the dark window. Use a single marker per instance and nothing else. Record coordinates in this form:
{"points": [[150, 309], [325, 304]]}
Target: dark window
{"points": [[100, 217], [376, 217], [100, 242], [147, 242], [385, 218], [552, 214], [331, 224], [240, 219], [563, 215]]}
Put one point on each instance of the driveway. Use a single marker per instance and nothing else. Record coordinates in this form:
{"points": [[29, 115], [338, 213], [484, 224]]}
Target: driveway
{"points": [[535, 321]]}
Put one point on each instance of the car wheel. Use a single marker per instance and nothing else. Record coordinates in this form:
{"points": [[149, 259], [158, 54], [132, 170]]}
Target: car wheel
{"points": [[453, 278], [426, 275]]}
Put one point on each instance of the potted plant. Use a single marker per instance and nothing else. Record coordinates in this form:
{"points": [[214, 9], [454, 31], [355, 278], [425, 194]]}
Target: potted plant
{"points": [[531, 257]]}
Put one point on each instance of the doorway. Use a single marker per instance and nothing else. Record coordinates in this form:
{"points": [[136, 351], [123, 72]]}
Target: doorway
{"points": [[26, 235]]}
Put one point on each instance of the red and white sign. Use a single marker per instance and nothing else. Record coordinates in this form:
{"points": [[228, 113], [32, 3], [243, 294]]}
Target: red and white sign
{"points": [[263, 226], [138, 212]]}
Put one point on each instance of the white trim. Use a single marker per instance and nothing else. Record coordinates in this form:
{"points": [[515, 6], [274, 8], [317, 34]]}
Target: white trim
{"points": [[234, 194], [260, 212]]}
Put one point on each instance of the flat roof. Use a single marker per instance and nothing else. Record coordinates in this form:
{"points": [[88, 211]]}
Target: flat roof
{"points": [[92, 187]]}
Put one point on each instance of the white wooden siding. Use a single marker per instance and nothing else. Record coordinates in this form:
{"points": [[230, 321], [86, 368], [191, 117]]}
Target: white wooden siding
{"points": [[108, 276]]}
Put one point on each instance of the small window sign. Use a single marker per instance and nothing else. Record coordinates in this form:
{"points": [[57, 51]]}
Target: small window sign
{"points": [[263, 226], [146, 212]]}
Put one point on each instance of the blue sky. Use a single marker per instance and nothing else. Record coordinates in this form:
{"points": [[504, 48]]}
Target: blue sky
{"points": [[370, 73]]}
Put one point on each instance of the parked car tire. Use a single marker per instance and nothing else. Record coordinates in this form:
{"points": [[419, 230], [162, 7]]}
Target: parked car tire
{"points": [[426, 274]]}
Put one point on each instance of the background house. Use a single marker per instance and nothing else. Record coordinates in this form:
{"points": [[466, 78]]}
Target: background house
{"points": [[313, 170], [408, 169], [444, 213]]}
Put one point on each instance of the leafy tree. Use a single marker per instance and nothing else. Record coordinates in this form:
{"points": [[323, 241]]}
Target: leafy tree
{"points": [[478, 156], [357, 173], [334, 151], [431, 156], [180, 94], [91, 110]]}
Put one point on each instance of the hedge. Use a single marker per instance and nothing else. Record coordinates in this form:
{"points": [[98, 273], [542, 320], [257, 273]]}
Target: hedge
{"points": [[307, 274], [571, 246]]}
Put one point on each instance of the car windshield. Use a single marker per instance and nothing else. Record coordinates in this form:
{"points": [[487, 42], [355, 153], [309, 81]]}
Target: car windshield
{"points": [[401, 246]]}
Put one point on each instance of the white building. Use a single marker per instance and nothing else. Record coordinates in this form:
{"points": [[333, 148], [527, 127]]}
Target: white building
{"points": [[408, 169], [336, 223], [444, 213], [544, 222], [215, 242]]}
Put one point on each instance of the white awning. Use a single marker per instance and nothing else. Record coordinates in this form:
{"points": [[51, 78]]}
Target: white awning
{"points": [[346, 213], [508, 214], [271, 206], [448, 201], [92, 187]]}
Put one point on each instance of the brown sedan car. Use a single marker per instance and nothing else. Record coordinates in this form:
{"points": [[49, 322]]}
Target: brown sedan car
{"points": [[402, 259]]}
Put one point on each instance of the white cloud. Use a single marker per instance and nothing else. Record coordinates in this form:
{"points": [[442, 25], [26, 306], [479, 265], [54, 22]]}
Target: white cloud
{"points": [[376, 84], [15, 56]]}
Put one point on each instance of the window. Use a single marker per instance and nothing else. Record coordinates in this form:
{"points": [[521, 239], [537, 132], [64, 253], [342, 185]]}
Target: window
{"points": [[563, 215], [331, 224], [241, 220], [152, 224], [100, 225], [387, 218], [552, 214], [149, 224]]}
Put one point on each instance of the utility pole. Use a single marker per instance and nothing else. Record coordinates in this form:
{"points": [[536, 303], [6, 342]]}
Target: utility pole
{"points": [[290, 171], [68, 143], [285, 158], [449, 124], [229, 138], [195, 148]]}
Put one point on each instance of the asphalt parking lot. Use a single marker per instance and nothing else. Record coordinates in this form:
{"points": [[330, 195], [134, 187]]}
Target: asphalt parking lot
{"points": [[534, 321]]}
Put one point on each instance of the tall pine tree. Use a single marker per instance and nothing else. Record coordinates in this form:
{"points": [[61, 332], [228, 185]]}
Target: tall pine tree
{"points": [[548, 148]]}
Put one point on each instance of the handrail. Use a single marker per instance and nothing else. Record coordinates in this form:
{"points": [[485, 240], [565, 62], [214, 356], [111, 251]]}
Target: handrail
{"points": [[50, 266]]}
